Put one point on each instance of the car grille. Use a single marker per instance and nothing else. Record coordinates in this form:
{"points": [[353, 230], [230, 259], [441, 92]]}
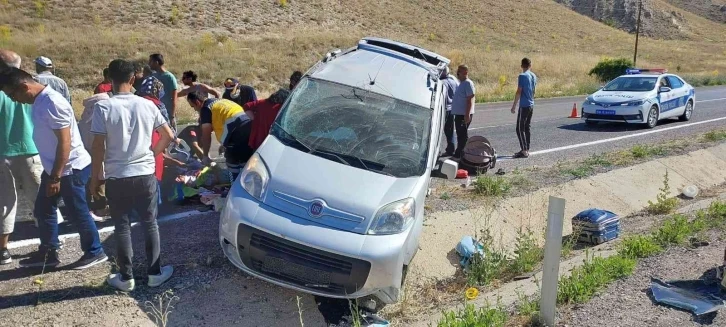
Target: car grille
{"points": [[612, 117], [300, 265]]}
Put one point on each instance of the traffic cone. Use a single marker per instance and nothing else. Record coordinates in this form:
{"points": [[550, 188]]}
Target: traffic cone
{"points": [[574, 113]]}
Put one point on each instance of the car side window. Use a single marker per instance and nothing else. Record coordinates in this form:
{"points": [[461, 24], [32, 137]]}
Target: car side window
{"points": [[675, 82], [664, 82]]}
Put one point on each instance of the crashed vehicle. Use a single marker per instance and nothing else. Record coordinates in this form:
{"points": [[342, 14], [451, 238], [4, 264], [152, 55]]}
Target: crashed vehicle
{"points": [[332, 203], [642, 96]]}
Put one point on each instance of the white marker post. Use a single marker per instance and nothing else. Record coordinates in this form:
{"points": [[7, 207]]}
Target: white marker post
{"points": [[551, 268]]}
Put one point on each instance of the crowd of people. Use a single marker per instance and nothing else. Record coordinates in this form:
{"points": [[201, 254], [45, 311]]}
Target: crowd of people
{"points": [[112, 159]]}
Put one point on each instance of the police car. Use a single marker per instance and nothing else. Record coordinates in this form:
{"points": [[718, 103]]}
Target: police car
{"points": [[641, 96]]}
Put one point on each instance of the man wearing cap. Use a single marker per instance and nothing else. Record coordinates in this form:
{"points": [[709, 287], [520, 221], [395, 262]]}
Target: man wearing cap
{"points": [[44, 68], [237, 92]]}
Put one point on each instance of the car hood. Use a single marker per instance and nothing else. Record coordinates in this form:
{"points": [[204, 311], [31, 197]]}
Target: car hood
{"points": [[350, 197], [618, 97]]}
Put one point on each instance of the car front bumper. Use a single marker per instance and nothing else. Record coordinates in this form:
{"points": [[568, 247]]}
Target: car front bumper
{"points": [[621, 114], [296, 253]]}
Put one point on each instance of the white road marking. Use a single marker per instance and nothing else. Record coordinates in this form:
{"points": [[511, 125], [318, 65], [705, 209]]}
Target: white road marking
{"points": [[575, 146], [164, 219], [558, 118]]}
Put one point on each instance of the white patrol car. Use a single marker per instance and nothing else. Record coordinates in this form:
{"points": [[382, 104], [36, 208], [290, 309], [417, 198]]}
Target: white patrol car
{"points": [[641, 97]]}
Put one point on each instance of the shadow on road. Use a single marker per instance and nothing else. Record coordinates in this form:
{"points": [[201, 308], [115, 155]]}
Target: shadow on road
{"points": [[609, 127]]}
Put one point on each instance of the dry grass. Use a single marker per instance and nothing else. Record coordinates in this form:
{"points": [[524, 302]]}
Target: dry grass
{"points": [[263, 49]]}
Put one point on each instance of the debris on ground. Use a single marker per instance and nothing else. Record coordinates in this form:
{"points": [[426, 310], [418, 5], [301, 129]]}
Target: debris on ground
{"points": [[697, 296], [596, 226], [466, 249], [690, 192]]}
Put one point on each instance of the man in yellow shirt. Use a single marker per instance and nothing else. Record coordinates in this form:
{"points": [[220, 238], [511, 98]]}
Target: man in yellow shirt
{"points": [[230, 124]]}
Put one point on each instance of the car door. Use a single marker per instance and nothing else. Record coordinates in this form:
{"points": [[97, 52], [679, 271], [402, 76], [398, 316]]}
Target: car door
{"points": [[680, 93], [667, 105]]}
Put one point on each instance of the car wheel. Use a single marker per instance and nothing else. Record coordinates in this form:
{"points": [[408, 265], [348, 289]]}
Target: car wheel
{"points": [[652, 117], [590, 122], [688, 113]]}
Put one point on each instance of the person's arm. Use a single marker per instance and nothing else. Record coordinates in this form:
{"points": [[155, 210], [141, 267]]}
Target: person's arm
{"points": [[62, 156], [98, 154], [183, 92], [166, 137], [205, 140], [469, 103], [211, 91], [174, 96], [517, 96]]}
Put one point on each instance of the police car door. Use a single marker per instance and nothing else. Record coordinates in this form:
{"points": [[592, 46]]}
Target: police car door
{"points": [[666, 99], [680, 93]]}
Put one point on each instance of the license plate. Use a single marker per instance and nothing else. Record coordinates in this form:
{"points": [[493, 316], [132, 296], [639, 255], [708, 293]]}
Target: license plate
{"points": [[605, 112]]}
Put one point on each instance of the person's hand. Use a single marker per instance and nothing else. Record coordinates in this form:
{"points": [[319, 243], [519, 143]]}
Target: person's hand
{"points": [[467, 119], [94, 185], [514, 110], [52, 188]]}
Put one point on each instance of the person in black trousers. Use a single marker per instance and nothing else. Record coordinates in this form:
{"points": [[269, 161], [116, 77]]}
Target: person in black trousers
{"points": [[527, 84], [463, 108]]}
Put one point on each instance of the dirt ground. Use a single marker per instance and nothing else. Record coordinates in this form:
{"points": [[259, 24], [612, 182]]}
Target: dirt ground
{"points": [[628, 302], [210, 291]]}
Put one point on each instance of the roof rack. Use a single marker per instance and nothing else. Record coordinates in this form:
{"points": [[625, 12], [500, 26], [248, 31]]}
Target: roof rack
{"points": [[637, 71]]}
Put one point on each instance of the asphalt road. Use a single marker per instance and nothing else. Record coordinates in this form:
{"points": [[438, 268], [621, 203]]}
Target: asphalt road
{"points": [[556, 137]]}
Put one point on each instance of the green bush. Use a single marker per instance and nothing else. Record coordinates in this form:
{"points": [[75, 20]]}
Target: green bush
{"points": [[639, 246], [609, 68], [528, 254], [483, 269], [588, 279], [663, 204], [491, 186], [677, 230], [470, 316]]}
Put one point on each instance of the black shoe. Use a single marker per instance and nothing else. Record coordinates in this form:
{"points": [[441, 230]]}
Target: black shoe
{"points": [[47, 258], [88, 260], [5, 257]]}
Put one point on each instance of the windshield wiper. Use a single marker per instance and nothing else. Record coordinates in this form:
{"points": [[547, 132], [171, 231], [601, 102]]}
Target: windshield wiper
{"points": [[365, 164], [291, 139]]}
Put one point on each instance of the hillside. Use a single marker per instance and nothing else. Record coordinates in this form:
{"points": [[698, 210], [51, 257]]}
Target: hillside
{"points": [[714, 10], [663, 19], [262, 41]]}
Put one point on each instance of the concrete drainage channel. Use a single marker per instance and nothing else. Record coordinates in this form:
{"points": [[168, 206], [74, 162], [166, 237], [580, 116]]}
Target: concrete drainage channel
{"points": [[625, 191]]}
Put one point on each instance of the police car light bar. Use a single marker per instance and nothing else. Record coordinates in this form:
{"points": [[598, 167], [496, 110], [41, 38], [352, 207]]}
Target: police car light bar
{"points": [[635, 71]]}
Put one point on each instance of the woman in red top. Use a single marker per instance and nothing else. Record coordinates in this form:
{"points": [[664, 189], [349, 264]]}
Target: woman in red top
{"points": [[150, 90], [263, 114]]}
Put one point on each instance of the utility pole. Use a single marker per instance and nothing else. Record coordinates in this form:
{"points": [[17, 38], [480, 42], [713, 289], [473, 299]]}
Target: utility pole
{"points": [[637, 32]]}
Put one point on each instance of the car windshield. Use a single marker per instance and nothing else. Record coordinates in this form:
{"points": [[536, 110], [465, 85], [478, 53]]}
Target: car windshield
{"points": [[356, 127], [631, 84]]}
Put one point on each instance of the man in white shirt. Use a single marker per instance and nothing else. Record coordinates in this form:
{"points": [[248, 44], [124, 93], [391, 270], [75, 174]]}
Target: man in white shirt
{"points": [[66, 169], [123, 126]]}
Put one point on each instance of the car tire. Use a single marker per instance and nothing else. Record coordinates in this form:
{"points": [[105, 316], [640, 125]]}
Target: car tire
{"points": [[688, 112], [652, 119], [591, 122]]}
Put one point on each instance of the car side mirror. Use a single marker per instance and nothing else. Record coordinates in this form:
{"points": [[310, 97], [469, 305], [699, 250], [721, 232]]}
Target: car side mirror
{"points": [[664, 89]]}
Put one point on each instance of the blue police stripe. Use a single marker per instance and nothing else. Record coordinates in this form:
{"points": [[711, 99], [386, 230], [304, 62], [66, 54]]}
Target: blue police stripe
{"points": [[673, 103]]}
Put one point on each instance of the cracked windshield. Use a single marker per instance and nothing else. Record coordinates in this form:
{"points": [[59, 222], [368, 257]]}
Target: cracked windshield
{"points": [[356, 127]]}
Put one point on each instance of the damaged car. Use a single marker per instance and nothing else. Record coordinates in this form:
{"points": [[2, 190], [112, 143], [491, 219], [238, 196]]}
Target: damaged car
{"points": [[332, 203]]}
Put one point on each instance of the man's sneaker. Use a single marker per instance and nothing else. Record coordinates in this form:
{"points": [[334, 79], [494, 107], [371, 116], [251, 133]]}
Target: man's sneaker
{"points": [[5, 257], [115, 281], [88, 260], [47, 258], [156, 280]]}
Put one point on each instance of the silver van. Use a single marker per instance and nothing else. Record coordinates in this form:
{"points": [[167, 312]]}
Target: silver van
{"points": [[332, 203]]}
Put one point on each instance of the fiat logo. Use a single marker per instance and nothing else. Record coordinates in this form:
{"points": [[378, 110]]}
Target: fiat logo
{"points": [[316, 209]]}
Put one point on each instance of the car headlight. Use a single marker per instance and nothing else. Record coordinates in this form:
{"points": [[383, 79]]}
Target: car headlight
{"points": [[254, 177], [590, 101], [635, 103], [393, 218]]}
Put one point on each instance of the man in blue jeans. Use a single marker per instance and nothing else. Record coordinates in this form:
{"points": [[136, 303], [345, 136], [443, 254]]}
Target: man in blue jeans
{"points": [[66, 170]]}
